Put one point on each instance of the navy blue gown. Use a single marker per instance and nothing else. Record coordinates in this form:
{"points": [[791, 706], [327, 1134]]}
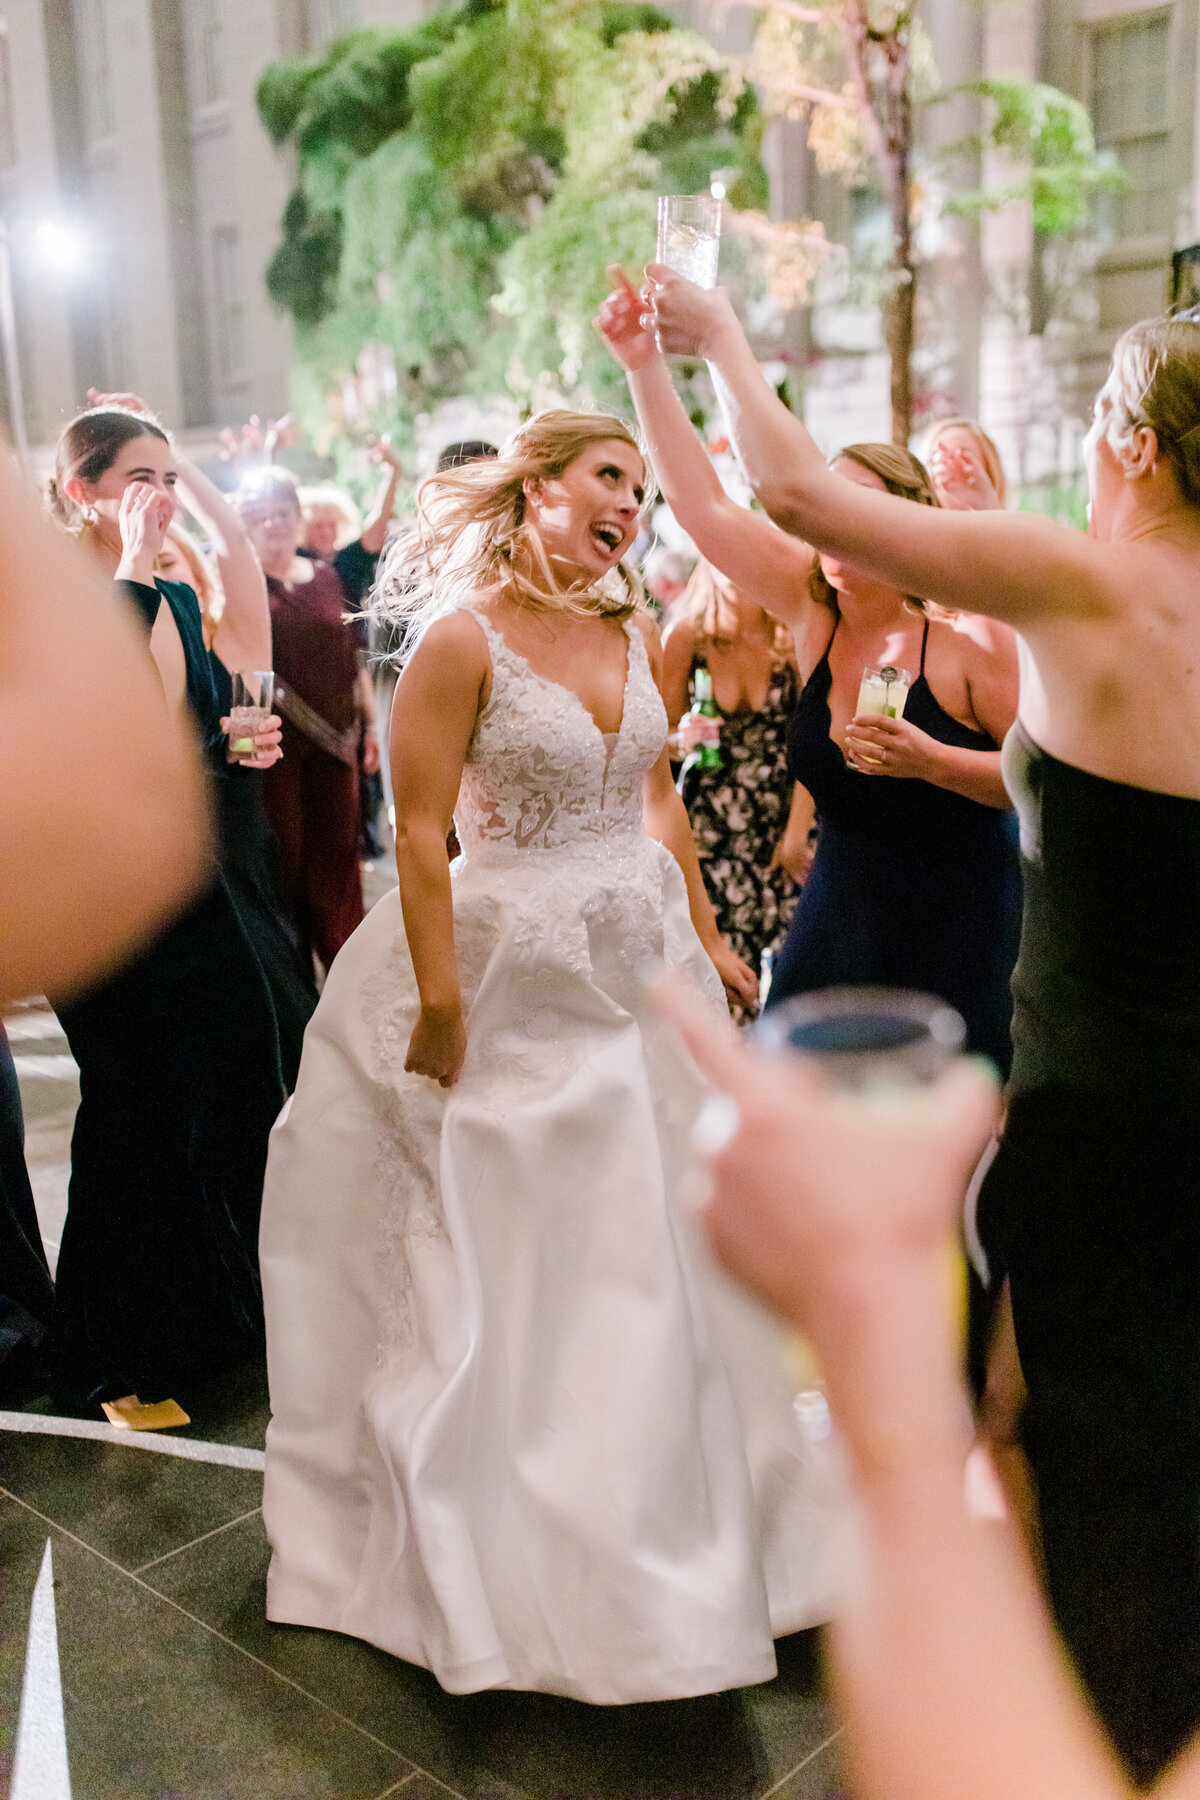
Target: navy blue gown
{"points": [[157, 1287], [911, 886]]}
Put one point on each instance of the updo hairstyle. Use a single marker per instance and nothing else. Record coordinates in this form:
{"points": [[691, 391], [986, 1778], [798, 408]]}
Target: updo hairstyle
{"points": [[87, 448], [1155, 381]]}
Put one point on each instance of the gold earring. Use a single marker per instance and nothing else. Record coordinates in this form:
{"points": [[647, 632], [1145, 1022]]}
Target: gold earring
{"points": [[89, 514]]}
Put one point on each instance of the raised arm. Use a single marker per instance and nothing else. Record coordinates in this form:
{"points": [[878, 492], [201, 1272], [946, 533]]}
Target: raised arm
{"points": [[746, 547], [950, 1678], [1013, 566], [103, 818], [665, 818], [243, 636], [433, 715], [373, 535]]}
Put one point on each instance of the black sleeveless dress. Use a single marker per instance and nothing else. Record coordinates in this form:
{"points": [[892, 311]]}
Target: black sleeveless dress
{"points": [[1095, 1192], [157, 1285], [911, 886]]}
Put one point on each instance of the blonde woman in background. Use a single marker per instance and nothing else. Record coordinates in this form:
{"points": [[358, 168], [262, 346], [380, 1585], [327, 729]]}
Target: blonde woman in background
{"points": [[518, 1436], [740, 810], [968, 475]]}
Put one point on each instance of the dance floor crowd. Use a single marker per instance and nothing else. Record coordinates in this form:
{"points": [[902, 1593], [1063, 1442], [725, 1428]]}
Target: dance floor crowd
{"points": [[501, 1176]]}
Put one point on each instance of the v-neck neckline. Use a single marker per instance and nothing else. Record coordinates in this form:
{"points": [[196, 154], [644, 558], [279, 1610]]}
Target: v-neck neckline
{"points": [[610, 739]]}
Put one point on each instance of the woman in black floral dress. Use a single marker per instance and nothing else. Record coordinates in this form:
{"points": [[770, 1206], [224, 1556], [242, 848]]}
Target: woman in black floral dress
{"points": [[749, 820]]}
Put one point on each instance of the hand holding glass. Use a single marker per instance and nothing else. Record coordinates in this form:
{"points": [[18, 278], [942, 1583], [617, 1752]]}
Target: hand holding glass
{"points": [[883, 692], [253, 692], [689, 236], [880, 1045]]}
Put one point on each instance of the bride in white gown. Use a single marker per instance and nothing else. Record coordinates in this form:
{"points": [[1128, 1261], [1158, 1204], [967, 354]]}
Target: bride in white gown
{"points": [[522, 1433]]}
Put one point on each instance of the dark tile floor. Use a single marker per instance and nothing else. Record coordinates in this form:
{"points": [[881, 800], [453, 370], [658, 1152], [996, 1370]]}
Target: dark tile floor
{"points": [[175, 1687]]}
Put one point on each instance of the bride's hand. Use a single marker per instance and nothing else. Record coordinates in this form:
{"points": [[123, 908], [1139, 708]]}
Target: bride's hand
{"points": [[438, 1044], [619, 322], [737, 977]]}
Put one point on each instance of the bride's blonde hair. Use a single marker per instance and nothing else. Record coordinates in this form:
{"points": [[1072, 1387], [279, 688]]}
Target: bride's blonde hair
{"points": [[473, 533]]}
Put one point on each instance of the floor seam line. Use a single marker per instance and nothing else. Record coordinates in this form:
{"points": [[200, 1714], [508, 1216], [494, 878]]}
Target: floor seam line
{"points": [[219, 1635], [800, 1766], [202, 1539], [397, 1786]]}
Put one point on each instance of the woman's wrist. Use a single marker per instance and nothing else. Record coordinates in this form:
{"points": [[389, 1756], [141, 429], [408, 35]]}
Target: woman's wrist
{"points": [[136, 568], [724, 335], [443, 1009], [885, 1333]]}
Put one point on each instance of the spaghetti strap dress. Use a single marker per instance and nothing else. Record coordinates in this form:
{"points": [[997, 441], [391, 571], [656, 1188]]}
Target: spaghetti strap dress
{"points": [[523, 1433], [1095, 1194], [911, 886], [157, 1286]]}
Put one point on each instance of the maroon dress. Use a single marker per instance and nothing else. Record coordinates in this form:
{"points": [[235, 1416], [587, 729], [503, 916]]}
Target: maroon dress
{"points": [[312, 794]]}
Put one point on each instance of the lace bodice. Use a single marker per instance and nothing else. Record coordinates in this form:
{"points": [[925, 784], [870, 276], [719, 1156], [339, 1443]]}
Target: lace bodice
{"points": [[540, 775]]}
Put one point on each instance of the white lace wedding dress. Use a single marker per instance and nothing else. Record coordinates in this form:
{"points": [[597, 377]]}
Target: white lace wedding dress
{"points": [[523, 1433]]}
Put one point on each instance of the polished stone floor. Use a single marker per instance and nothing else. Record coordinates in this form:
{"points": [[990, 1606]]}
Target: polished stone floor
{"points": [[175, 1687]]}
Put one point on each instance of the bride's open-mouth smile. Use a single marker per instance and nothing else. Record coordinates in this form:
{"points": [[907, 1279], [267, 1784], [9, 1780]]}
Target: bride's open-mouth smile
{"points": [[611, 538]]}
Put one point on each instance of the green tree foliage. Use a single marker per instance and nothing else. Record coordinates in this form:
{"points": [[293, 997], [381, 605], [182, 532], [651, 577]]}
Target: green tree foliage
{"points": [[858, 73], [461, 186], [1046, 138]]}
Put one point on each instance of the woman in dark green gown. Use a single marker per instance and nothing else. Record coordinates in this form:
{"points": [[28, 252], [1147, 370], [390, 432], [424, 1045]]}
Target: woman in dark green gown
{"points": [[180, 1075]]}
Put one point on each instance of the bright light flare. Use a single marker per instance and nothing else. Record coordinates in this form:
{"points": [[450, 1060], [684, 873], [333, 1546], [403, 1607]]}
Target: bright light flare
{"points": [[60, 247]]}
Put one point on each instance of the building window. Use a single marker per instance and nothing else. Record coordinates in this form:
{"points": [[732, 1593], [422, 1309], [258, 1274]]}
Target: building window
{"points": [[1130, 85], [206, 51], [228, 307], [326, 18], [8, 132], [95, 69]]}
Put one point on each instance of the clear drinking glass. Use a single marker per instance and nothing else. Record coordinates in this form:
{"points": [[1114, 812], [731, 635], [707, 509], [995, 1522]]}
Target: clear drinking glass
{"points": [[253, 692], [874, 1042], [689, 236], [884, 691]]}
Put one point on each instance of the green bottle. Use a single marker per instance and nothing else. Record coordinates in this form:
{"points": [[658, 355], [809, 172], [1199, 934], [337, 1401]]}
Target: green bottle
{"points": [[708, 749]]}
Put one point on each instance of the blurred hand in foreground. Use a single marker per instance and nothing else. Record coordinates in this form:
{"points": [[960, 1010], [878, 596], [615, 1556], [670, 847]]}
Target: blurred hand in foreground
{"points": [[816, 1188]]}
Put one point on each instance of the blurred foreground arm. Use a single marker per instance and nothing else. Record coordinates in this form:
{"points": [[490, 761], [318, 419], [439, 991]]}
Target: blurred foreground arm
{"points": [[103, 819], [947, 1671]]}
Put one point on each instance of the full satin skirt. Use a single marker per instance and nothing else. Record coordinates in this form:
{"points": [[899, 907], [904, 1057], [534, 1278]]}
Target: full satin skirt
{"points": [[524, 1434]]}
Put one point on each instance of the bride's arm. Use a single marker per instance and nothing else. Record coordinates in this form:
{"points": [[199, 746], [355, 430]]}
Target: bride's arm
{"points": [[745, 546], [433, 716], [665, 818]]}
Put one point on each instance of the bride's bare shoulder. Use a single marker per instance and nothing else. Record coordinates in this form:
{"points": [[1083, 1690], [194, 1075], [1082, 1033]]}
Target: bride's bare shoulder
{"points": [[453, 648]]}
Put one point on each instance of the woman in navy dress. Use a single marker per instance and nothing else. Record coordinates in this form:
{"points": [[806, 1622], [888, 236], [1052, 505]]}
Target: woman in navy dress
{"points": [[915, 882]]}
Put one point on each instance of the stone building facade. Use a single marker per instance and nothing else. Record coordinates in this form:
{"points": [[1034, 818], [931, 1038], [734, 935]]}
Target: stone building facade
{"points": [[132, 123]]}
